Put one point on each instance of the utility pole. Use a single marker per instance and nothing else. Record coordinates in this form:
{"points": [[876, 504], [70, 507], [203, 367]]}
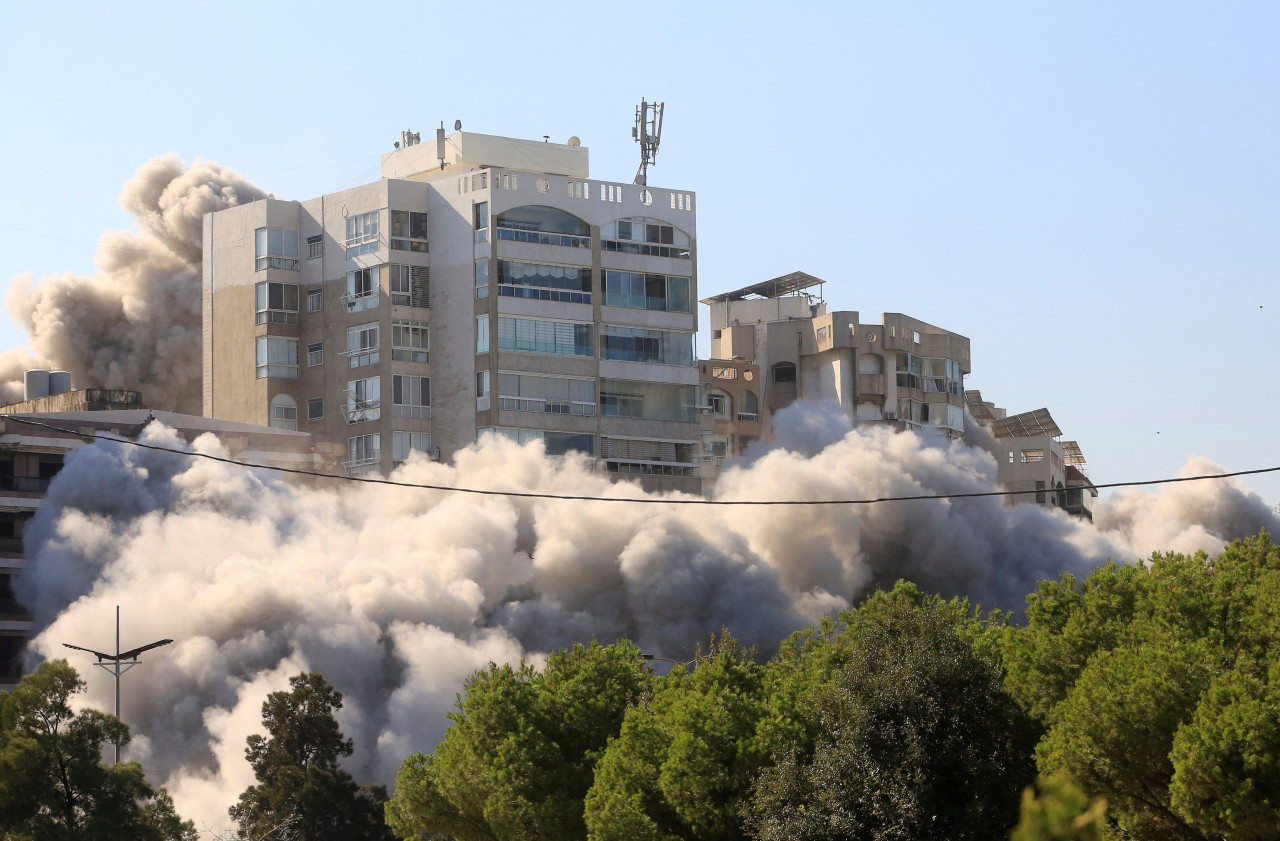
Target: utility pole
{"points": [[119, 663]]}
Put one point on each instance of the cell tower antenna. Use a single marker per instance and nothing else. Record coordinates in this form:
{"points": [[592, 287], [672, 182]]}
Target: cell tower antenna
{"points": [[647, 132]]}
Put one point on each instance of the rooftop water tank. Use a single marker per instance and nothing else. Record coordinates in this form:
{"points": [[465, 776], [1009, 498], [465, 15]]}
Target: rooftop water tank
{"points": [[59, 382], [36, 383]]}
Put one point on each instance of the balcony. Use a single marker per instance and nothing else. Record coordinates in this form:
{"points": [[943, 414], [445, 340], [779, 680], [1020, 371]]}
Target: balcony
{"points": [[25, 484], [871, 384]]}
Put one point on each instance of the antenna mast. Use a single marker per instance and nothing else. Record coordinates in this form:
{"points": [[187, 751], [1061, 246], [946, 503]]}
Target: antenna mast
{"points": [[647, 132]]}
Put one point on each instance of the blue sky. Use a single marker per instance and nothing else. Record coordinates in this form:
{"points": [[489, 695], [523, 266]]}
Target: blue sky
{"points": [[1090, 192]]}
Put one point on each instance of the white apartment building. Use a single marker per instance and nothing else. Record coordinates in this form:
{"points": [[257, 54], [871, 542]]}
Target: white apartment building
{"points": [[484, 285]]}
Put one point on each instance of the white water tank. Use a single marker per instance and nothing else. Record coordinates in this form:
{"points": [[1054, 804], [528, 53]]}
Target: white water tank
{"points": [[36, 383], [59, 382]]}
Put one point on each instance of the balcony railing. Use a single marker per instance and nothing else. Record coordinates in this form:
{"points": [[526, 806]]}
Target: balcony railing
{"points": [[12, 545]]}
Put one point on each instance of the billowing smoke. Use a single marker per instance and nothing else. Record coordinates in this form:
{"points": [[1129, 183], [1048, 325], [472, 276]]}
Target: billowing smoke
{"points": [[136, 322], [398, 594]]}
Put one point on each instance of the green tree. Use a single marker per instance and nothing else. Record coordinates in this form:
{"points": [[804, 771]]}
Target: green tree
{"points": [[302, 793], [1167, 708], [522, 750], [684, 761], [912, 738], [1060, 811], [53, 784]]}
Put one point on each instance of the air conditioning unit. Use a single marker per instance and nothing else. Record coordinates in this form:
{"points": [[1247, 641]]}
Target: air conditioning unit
{"points": [[890, 415]]}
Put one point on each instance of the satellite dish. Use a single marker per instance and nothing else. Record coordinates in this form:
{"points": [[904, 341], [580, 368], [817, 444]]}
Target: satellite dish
{"points": [[574, 141], [457, 125]]}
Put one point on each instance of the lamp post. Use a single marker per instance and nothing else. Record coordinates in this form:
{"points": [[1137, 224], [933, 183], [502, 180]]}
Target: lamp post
{"points": [[119, 663]]}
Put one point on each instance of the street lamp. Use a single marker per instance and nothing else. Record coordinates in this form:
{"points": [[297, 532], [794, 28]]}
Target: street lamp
{"points": [[119, 663]]}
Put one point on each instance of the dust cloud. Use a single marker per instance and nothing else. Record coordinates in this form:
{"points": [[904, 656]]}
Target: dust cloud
{"points": [[136, 322], [397, 594]]}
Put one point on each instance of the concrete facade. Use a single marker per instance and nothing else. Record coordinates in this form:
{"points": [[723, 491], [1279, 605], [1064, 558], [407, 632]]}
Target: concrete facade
{"points": [[900, 371], [494, 289]]}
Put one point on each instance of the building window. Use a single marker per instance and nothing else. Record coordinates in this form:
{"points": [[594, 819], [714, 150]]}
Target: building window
{"points": [[362, 344], [784, 372], [276, 249], [277, 303], [315, 247], [544, 282], [648, 400], [277, 357], [315, 354], [410, 341], [1029, 456], [719, 403], [482, 391], [409, 231], [410, 286], [547, 395], [284, 412], [643, 235], [750, 410], [533, 335], [482, 334], [651, 458], [362, 289], [404, 443], [542, 225], [555, 443], [481, 211], [363, 450], [636, 344], [315, 300], [482, 278], [362, 234], [315, 409], [364, 400], [666, 293], [410, 396]]}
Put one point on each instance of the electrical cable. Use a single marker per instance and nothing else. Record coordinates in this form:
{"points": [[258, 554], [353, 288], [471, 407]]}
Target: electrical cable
{"points": [[583, 498]]}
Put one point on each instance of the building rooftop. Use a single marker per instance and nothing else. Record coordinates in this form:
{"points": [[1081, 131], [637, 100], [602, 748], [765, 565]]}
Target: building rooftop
{"points": [[789, 284], [1026, 425]]}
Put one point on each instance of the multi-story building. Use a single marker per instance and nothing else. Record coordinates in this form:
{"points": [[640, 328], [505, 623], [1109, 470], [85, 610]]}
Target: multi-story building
{"points": [[484, 285], [900, 371], [1033, 460], [37, 434]]}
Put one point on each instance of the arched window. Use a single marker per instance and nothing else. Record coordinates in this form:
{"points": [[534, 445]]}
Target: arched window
{"points": [[284, 412], [721, 404], [784, 372], [750, 410], [536, 217]]}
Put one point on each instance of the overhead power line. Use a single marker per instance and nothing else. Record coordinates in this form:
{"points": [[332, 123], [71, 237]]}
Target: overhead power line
{"points": [[583, 498]]}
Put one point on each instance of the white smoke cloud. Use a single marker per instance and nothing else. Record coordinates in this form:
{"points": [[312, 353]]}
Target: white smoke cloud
{"points": [[136, 322], [398, 594]]}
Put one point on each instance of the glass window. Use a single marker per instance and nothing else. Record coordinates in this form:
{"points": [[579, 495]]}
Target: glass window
{"points": [[362, 289], [410, 396], [482, 391], [364, 400], [544, 226], [277, 303], [315, 300], [544, 282], [635, 344], [362, 234], [784, 372], [284, 412], [404, 443], [277, 357], [481, 211], [482, 278], [410, 286], [410, 341], [276, 248], [532, 335], [363, 450], [634, 290], [315, 409], [750, 410], [315, 354], [482, 334], [362, 344], [409, 230], [315, 247], [549, 395], [649, 400]]}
